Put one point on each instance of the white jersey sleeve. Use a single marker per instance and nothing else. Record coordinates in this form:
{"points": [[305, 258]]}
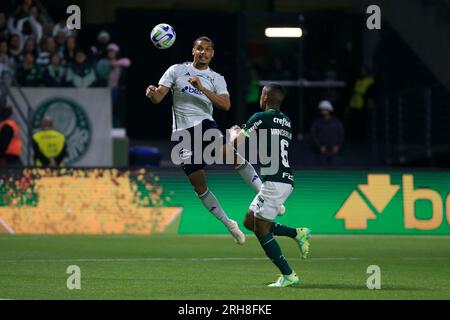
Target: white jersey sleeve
{"points": [[169, 77], [221, 85]]}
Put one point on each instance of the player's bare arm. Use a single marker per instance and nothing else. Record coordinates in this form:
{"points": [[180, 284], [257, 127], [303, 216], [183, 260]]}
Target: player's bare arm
{"points": [[156, 94], [221, 101], [228, 149], [236, 135]]}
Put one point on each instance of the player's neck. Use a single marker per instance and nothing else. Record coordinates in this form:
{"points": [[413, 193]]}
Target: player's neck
{"points": [[273, 108], [199, 66]]}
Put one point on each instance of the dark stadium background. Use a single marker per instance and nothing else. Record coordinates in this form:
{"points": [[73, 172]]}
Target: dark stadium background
{"points": [[332, 32], [126, 215]]}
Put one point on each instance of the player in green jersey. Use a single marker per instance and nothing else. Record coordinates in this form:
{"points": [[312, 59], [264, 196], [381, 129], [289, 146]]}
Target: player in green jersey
{"points": [[277, 184]]}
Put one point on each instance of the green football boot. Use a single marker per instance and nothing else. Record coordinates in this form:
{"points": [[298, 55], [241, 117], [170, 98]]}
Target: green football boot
{"points": [[285, 281], [302, 238]]}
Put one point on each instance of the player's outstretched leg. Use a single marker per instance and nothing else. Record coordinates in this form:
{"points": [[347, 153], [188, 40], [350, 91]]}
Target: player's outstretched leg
{"points": [[211, 204], [273, 251], [249, 175], [300, 235]]}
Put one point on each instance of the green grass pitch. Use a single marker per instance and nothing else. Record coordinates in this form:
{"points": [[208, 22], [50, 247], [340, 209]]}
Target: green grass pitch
{"points": [[213, 267]]}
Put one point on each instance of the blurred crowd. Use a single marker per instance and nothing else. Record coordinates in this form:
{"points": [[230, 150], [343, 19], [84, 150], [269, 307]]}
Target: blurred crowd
{"points": [[339, 116], [40, 52]]}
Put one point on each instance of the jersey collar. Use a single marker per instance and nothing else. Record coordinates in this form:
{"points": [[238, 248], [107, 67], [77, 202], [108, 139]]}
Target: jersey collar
{"points": [[192, 65]]}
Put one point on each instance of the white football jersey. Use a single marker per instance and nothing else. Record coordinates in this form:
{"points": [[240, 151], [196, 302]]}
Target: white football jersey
{"points": [[191, 106]]}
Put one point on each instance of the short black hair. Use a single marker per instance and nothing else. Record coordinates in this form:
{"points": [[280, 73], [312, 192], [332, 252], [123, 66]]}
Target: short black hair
{"points": [[204, 38], [275, 94]]}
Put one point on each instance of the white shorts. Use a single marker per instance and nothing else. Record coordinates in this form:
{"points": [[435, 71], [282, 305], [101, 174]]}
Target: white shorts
{"points": [[271, 196]]}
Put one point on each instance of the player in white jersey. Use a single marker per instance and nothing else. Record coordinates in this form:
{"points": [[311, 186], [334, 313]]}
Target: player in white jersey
{"points": [[196, 89]]}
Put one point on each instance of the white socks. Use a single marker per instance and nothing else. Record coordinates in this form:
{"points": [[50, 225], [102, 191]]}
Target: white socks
{"points": [[212, 205], [249, 175]]}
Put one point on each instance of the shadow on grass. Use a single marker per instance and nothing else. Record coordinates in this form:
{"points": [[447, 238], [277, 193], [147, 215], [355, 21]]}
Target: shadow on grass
{"points": [[338, 286]]}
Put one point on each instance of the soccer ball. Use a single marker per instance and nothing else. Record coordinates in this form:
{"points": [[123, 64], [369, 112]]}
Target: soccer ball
{"points": [[163, 36]]}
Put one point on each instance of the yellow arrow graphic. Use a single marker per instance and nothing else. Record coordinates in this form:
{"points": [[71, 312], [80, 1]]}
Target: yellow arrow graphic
{"points": [[379, 190], [355, 212]]}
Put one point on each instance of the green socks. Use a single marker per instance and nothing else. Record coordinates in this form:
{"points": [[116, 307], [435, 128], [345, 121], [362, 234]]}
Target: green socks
{"points": [[273, 251], [281, 230]]}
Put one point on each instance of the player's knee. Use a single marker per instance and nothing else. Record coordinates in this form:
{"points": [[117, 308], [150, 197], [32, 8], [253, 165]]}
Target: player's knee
{"points": [[262, 228], [200, 189], [261, 232]]}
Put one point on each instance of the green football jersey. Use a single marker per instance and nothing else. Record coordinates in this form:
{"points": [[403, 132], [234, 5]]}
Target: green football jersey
{"points": [[277, 126]]}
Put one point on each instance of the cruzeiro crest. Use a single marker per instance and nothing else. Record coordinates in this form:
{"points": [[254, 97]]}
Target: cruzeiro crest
{"points": [[70, 119]]}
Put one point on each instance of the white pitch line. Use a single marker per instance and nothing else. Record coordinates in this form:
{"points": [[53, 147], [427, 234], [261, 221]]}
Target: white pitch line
{"points": [[425, 258], [138, 237], [210, 259]]}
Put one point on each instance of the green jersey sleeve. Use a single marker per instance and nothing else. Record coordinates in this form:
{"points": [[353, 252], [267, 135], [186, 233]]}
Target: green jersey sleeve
{"points": [[253, 124]]}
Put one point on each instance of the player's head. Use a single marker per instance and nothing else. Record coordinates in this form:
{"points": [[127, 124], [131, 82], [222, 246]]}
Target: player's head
{"points": [[203, 51], [272, 96]]}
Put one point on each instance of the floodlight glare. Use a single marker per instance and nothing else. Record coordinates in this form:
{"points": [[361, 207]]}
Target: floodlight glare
{"points": [[283, 32]]}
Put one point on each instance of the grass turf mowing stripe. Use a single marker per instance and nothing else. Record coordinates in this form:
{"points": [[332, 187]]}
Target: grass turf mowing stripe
{"points": [[204, 267], [202, 259]]}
